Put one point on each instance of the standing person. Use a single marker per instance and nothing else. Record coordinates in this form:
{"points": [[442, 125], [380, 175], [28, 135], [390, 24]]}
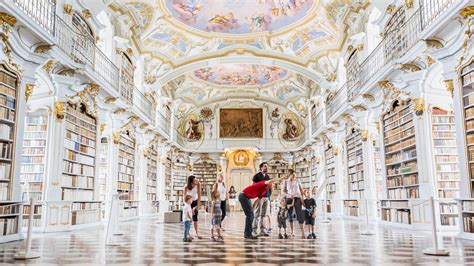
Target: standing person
{"points": [[261, 206], [310, 213], [294, 192], [256, 190], [193, 189], [220, 187], [187, 217], [216, 214], [232, 199], [282, 217]]}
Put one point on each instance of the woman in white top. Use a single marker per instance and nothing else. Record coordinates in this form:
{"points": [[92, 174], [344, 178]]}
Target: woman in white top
{"points": [[220, 186], [232, 199], [193, 188], [294, 193]]}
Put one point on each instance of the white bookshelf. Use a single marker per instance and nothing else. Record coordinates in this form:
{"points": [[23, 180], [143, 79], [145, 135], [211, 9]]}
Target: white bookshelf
{"points": [[401, 163], [179, 180], [303, 173], [32, 174], [168, 181], [152, 173], [355, 172], [126, 185], [9, 94], [277, 169], [314, 174], [78, 176], [330, 165], [446, 165], [206, 172]]}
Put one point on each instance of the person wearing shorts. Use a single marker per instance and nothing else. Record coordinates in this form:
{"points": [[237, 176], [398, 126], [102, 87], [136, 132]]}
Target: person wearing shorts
{"points": [[193, 189]]}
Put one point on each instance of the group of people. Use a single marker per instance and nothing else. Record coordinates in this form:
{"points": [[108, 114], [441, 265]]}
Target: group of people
{"points": [[291, 203], [294, 204]]}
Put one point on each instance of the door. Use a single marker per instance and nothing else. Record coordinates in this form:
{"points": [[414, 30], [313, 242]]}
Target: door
{"points": [[240, 179]]}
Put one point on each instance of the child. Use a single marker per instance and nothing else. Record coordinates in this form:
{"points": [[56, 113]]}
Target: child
{"points": [[187, 217], [282, 216], [310, 214], [216, 214]]}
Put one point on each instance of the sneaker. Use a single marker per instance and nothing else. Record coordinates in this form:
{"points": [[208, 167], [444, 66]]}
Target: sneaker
{"points": [[280, 236], [314, 236], [264, 234], [286, 236], [310, 236], [220, 238], [251, 237]]}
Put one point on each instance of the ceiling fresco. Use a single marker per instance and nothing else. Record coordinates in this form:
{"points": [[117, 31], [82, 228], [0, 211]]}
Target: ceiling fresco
{"points": [[238, 16], [240, 74]]}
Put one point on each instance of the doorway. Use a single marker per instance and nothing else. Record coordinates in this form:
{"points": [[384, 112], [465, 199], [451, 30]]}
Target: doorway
{"points": [[240, 179]]}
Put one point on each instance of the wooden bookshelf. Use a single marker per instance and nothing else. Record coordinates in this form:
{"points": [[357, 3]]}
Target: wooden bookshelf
{"points": [[78, 177], [355, 172], [447, 164], [33, 163], [8, 130]]}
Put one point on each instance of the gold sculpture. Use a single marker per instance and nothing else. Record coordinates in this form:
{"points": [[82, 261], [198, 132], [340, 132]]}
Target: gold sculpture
{"points": [[59, 108], [116, 137], [29, 91], [449, 86]]}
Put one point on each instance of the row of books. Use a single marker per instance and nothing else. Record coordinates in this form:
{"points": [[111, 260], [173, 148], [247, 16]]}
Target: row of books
{"points": [[469, 112], [7, 101], [7, 113], [392, 116], [444, 127], [37, 120], [124, 186], [80, 139], [396, 216], [32, 159], [447, 167], [8, 226], [79, 114], [78, 169], [35, 187], [33, 151], [404, 193], [448, 208], [453, 194], [77, 147], [84, 182], [444, 135], [77, 194], [82, 131], [77, 206], [468, 223], [81, 123], [400, 132], [32, 177], [79, 158], [37, 209], [7, 90], [35, 128], [394, 203], [126, 160], [401, 145], [399, 181], [468, 206], [6, 131], [5, 170], [6, 150], [124, 169], [9, 209], [7, 80], [398, 157], [443, 119], [85, 217], [34, 143], [440, 158], [357, 185]]}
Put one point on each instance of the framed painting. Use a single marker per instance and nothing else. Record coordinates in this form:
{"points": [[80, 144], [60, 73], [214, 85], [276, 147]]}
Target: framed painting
{"points": [[241, 123]]}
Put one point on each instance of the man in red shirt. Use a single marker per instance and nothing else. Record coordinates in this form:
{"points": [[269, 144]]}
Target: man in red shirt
{"points": [[256, 190]]}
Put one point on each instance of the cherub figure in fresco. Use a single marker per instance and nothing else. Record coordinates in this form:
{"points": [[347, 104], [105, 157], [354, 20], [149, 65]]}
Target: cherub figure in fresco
{"points": [[222, 23], [291, 130], [259, 22], [187, 10], [192, 131]]}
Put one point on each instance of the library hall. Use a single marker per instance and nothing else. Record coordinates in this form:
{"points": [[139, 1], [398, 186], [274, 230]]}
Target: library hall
{"points": [[237, 132]]}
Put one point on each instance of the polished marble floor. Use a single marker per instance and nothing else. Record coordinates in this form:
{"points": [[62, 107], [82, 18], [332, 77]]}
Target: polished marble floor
{"points": [[150, 242]]}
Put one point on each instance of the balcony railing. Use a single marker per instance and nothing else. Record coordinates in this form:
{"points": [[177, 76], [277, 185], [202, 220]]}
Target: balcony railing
{"points": [[42, 12], [316, 120], [143, 104], [397, 43], [337, 102], [163, 123], [79, 47]]}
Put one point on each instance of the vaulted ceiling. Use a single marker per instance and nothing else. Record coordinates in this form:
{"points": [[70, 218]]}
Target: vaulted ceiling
{"points": [[199, 50]]}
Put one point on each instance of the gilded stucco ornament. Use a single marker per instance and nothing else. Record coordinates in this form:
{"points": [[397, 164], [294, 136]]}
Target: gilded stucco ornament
{"points": [[365, 134], [145, 152], [116, 137], [49, 65], [419, 106], [86, 13], [67, 8], [102, 128], [8, 19], [449, 86], [433, 43], [390, 9], [409, 3], [44, 48], [408, 67], [29, 91], [59, 108]]}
